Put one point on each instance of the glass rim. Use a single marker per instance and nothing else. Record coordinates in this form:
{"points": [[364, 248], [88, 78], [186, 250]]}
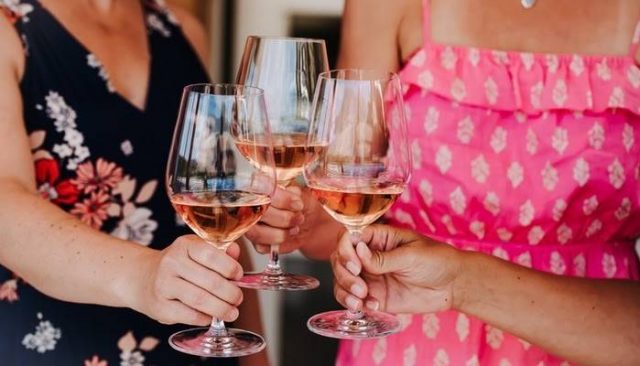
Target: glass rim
{"points": [[287, 39], [245, 90], [378, 74]]}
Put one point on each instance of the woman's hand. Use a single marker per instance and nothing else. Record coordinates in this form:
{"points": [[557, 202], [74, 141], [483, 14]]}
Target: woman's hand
{"points": [[395, 270], [281, 223], [189, 282], [295, 220]]}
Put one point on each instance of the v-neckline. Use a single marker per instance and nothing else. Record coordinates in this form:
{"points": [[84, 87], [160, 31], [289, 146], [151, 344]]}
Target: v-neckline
{"points": [[116, 93]]}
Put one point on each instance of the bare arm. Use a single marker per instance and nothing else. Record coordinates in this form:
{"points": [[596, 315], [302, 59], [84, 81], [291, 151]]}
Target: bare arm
{"points": [[590, 322], [67, 260], [37, 232], [370, 34]]}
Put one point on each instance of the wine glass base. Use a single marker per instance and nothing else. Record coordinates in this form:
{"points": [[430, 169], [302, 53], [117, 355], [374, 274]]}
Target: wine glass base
{"points": [[278, 282], [199, 342], [338, 324]]}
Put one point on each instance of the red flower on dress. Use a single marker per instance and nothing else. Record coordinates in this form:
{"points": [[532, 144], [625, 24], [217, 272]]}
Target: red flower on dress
{"points": [[49, 186], [10, 15], [101, 177], [93, 210], [95, 361], [9, 290]]}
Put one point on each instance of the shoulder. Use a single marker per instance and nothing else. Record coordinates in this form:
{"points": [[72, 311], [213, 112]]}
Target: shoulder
{"points": [[194, 31], [383, 13], [370, 31], [11, 52]]}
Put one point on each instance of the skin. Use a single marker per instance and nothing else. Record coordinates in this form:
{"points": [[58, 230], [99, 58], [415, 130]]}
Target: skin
{"points": [[592, 319], [190, 281], [594, 322], [380, 34]]}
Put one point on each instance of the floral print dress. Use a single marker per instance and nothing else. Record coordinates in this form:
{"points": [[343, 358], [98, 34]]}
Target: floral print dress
{"points": [[102, 160], [532, 158]]}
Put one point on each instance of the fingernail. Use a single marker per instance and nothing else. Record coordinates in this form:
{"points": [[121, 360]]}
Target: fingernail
{"points": [[352, 302], [353, 268], [233, 314], [297, 205], [358, 290], [363, 251], [294, 231], [372, 304]]}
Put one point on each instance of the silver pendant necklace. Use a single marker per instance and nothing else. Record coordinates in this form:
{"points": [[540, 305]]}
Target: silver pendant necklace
{"points": [[528, 4]]}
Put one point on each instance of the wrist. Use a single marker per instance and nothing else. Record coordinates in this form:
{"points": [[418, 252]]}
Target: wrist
{"points": [[465, 282], [133, 280]]}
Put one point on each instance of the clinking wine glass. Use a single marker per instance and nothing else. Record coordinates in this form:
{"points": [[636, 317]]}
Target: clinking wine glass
{"points": [[357, 165], [287, 69], [216, 191]]}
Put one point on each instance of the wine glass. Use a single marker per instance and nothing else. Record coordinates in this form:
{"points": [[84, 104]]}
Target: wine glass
{"points": [[216, 191], [357, 165], [287, 69]]}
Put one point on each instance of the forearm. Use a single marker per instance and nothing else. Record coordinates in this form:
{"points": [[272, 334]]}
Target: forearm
{"points": [[590, 322], [62, 257]]}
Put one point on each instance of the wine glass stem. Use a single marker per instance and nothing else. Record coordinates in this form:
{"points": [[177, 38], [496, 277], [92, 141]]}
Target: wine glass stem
{"points": [[273, 267], [217, 328], [355, 233]]}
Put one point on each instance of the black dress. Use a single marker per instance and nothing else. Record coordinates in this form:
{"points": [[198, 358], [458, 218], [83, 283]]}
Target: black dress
{"points": [[101, 159]]}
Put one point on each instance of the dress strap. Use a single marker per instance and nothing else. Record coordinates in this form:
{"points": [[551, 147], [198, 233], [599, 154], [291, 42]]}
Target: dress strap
{"points": [[635, 42], [426, 21]]}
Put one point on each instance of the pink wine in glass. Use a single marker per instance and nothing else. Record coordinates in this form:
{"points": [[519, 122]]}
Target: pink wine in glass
{"points": [[289, 151], [220, 217], [356, 209]]}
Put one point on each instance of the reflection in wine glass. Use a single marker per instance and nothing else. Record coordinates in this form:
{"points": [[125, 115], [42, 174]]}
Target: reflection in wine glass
{"points": [[287, 69], [217, 191], [360, 171]]}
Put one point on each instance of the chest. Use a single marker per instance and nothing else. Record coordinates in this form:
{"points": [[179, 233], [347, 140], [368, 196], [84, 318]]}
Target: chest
{"points": [[587, 27], [119, 44], [534, 177]]}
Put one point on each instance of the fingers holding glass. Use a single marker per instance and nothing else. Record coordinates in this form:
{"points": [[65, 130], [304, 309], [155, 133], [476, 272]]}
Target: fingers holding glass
{"points": [[287, 69], [220, 194], [357, 168]]}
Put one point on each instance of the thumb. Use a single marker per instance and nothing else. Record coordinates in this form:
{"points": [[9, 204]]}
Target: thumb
{"points": [[378, 262], [234, 251]]}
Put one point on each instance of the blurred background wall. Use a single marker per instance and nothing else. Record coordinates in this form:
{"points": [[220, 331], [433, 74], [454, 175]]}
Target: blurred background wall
{"points": [[229, 22]]}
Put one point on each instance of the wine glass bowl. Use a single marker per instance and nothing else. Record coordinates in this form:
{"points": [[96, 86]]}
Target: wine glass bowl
{"points": [[217, 191], [287, 70], [357, 165]]}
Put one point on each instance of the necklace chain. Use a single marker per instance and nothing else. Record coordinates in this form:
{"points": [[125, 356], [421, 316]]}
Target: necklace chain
{"points": [[528, 4]]}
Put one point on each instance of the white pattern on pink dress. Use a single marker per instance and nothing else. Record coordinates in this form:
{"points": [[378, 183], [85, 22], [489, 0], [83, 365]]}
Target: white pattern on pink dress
{"points": [[529, 157]]}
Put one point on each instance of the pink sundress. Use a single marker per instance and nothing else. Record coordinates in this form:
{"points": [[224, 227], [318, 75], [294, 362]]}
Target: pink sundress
{"points": [[533, 158]]}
